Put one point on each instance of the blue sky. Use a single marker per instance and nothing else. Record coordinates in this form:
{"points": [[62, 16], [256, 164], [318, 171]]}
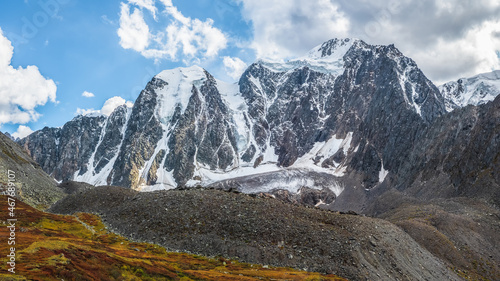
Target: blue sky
{"points": [[113, 48]]}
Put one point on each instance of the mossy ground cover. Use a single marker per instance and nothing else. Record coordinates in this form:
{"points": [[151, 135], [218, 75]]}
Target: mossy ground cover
{"points": [[55, 247]]}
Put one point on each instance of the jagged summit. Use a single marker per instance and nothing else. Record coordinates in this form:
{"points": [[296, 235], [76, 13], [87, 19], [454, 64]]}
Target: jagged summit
{"points": [[476, 90], [333, 47]]}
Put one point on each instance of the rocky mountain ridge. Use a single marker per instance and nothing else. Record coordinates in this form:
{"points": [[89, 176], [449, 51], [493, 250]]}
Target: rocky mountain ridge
{"points": [[347, 108]]}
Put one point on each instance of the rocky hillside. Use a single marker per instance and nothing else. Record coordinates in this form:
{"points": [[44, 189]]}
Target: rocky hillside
{"points": [[53, 247], [32, 184], [347, 108], [265, 231]]}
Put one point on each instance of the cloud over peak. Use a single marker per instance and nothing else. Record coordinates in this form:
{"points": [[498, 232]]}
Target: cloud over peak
{"points": [[133, 32], [109, 106], [234, 67], [22, 131], [448, 39]]}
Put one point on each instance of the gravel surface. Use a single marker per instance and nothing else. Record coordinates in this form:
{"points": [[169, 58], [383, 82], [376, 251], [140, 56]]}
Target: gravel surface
{"points": [[260, 230]]}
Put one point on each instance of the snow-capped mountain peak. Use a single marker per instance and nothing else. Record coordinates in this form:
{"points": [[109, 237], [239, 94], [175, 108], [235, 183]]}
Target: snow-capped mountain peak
{"points": [[476, 90], [494, 75], [325, 58], [178, 88], [191, 73], [333, 49]]}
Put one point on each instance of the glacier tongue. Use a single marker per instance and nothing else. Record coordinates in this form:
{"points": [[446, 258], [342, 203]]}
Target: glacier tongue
{"points": [[311, 161]]}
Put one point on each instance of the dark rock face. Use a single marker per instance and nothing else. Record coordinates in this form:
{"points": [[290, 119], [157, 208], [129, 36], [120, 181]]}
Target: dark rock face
{"points": [[288, 115], [381, 96], [43, 147], [63, 152], [142, 133], [447, 194], [83, 144], [110, 138], [386, 112]]}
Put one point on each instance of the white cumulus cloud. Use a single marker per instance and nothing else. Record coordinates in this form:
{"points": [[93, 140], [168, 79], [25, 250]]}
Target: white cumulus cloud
{"points": [[114, 102], [22, 131], [181, 37], [109, 106], [234, 67], [21, 89], [88, 94]]}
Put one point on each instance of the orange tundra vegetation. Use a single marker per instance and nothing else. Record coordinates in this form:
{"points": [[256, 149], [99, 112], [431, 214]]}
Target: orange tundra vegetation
{"points": [[55, 247]]}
